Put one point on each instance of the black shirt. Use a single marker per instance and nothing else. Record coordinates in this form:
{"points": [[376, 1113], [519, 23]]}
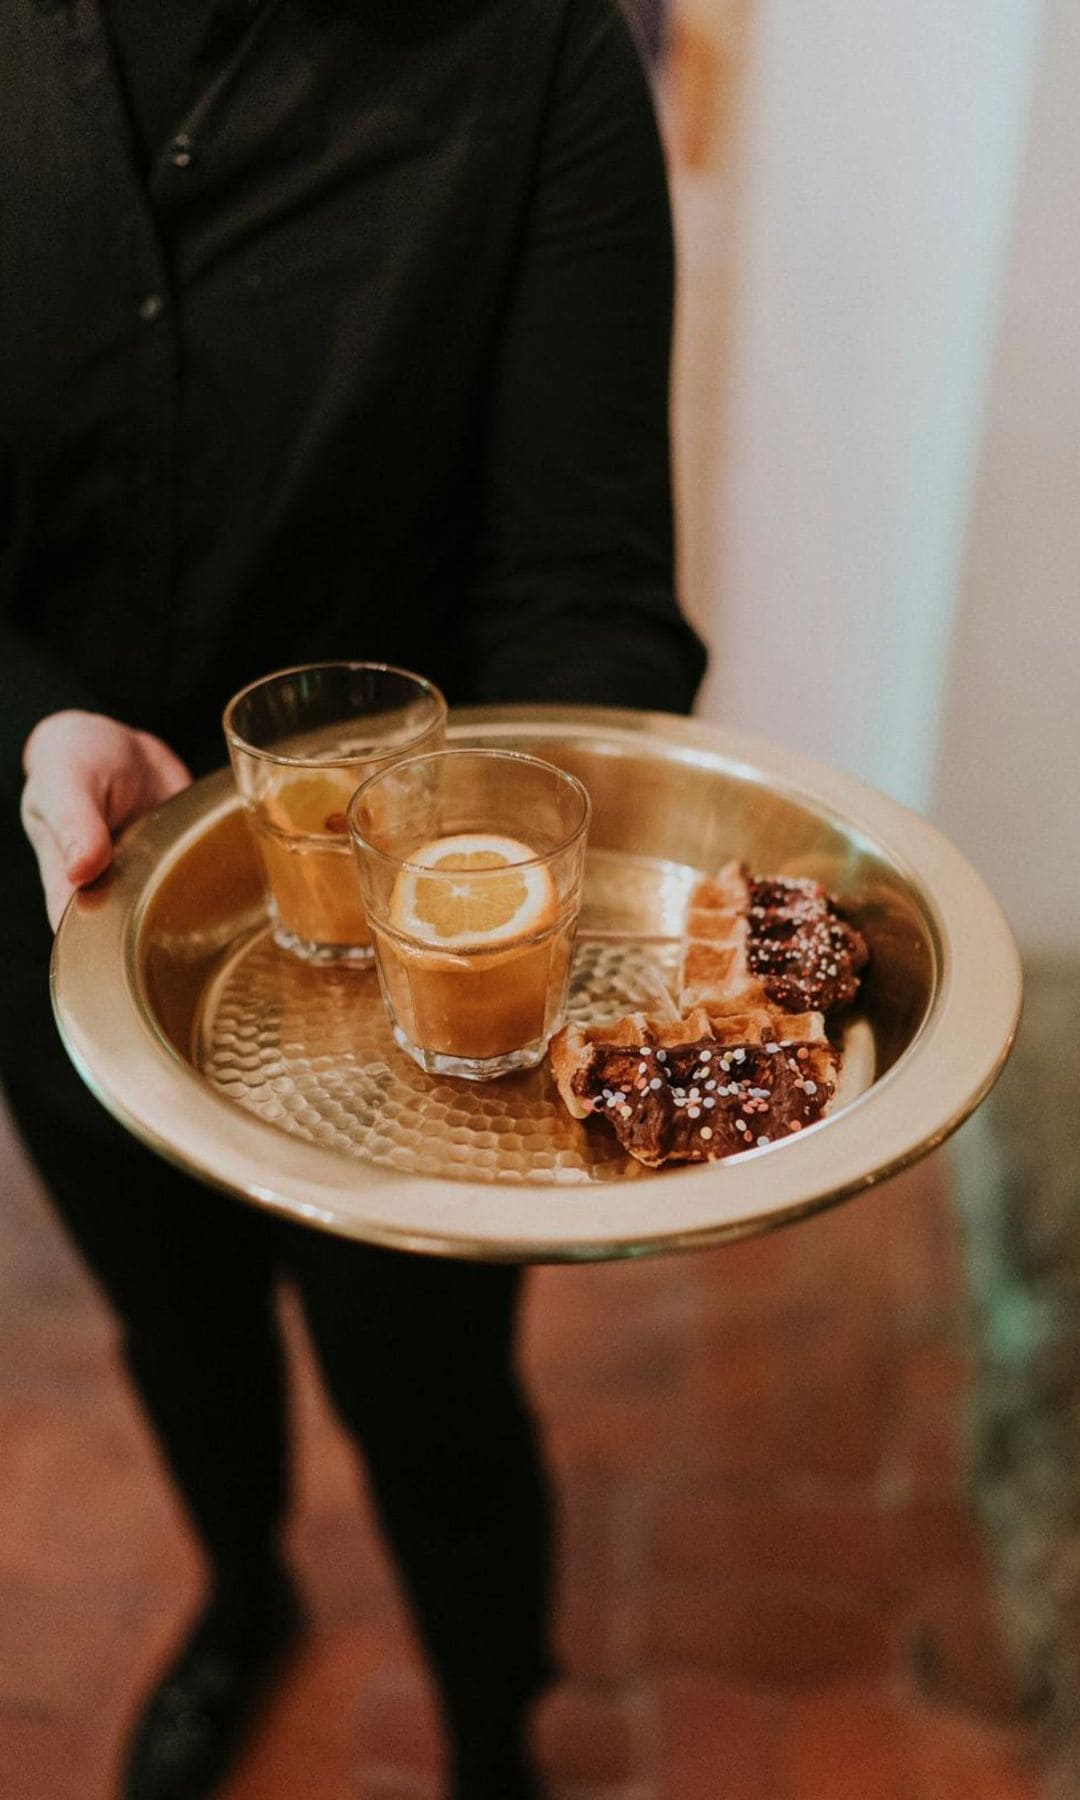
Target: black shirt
{"points": [[372, 364]]}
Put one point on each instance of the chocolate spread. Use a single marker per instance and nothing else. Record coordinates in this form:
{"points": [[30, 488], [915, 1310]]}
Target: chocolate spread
{"points": [[804, 951], [695, 1102]]}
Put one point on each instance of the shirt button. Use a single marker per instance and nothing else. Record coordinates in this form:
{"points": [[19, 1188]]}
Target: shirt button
{"points": [[180, 150], [151, 308]]}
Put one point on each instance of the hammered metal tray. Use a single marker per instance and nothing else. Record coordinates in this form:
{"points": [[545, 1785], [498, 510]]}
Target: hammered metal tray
{"points": [[281, 1082]]}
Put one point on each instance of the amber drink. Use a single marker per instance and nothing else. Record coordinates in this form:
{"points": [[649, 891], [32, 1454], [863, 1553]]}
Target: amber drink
{"points": [[301, 742], [471, 863]]}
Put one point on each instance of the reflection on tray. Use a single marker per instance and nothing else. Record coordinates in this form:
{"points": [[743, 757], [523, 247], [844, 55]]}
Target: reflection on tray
{"points": [[310, 1051]]}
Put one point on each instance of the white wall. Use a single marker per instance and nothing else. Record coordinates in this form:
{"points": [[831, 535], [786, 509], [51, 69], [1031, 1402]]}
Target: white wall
{"points": [[1008, 778], [878, 157]]}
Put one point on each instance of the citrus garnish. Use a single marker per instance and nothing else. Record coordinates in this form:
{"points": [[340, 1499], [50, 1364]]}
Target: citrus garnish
{"points": [[312, 803], [467, 900]]}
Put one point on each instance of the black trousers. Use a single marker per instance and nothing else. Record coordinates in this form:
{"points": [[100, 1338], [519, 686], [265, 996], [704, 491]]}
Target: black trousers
{"points": [[417, 1354]]}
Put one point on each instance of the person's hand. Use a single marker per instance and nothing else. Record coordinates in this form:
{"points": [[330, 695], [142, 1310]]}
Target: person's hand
{"points": [[87, 777]]}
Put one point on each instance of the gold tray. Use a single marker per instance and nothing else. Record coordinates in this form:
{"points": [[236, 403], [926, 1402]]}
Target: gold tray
{"points": [[281, 1083]]}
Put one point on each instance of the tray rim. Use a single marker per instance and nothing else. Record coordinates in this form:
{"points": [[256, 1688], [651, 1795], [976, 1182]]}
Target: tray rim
{"points": [[123, 1055]]}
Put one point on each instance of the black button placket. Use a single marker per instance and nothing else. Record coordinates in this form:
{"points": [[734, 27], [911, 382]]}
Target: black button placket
{"points": [[148, 425], [233, 35]]}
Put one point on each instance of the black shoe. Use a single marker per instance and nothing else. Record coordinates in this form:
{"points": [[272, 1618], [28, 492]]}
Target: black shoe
{"points": [[196, 1721], [502, 1778], [508, 1784]]}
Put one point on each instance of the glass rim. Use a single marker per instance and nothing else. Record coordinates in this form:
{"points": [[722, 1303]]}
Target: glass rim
{"points": [[235, 742], [485, 754]]}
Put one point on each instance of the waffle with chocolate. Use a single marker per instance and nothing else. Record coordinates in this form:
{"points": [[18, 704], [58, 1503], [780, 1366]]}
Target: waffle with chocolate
{"points": [[767, 941], [699, 1088]]}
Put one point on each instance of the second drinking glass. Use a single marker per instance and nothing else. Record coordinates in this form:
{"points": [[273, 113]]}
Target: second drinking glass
{"points": [[301, 742]]}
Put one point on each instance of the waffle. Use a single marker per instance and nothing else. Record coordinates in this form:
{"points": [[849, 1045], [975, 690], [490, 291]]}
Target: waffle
{"points": [[772, 942], [699, 1088]]}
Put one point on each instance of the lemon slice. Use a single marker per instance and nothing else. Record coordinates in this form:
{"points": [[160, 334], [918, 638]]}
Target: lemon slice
{"points": [[312, 803], [466, 901]]}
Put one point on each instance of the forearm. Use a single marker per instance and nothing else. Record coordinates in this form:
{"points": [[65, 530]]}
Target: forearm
{"points": [[573, 590], [611, 648]]}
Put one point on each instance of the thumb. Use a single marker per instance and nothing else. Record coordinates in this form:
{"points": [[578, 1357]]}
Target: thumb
{"points": [[81, 835]]}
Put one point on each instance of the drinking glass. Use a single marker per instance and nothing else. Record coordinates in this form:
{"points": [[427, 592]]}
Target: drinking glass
{"points": [[471, 863], [301, 741]]}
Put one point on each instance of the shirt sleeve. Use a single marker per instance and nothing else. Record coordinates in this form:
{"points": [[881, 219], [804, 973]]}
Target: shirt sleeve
{"points": [[32, 685], [572, 597]]}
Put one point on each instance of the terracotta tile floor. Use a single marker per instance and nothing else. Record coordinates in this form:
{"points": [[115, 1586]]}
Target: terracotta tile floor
{"points": [[773, 1586]]}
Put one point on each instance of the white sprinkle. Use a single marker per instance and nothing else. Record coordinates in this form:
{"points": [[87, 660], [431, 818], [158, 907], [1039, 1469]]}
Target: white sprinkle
{"points": [[679, 1093], [739, 1055], [771, 1049], [643, 1068], [706, 1056], [706, 1131], [625, 1112], [661, 1056], [693, 1112], [760, 1093], [810, 1087], [656, 1082], [741, 1125], [695, 1093], [709, 1085], [708, 1101], [764, 1140]]}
